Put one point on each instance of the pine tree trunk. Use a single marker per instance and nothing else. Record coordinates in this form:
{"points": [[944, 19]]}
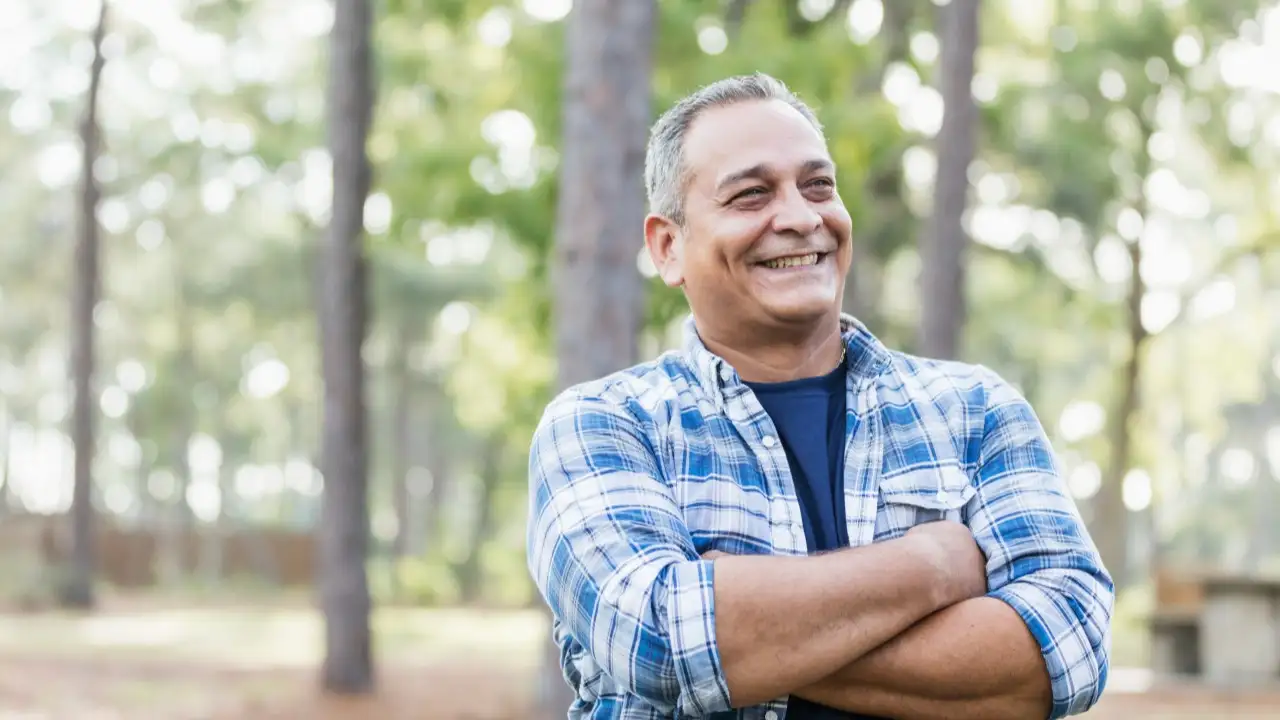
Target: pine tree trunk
{"points": [[402, 430], [344, 515], [470, 572], [599, 296], [78, 591], [943, 246], [885, 187], [1111, 517], [6, 477]]}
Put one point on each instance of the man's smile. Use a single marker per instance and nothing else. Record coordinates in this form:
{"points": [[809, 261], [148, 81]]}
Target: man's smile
{"points": [[794, 261]]}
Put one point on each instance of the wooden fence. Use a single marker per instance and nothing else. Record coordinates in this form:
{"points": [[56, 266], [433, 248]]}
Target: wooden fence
{"points": [[131, 557]]}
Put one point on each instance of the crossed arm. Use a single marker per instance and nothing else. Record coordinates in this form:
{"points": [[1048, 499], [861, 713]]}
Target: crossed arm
{"points": [[886, 629]]}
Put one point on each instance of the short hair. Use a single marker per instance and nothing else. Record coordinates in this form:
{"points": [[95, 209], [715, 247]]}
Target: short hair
{"points": [[664, 170]]}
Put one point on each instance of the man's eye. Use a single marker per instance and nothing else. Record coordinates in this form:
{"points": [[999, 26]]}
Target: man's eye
{"points": [[749, 192], [823, 183]]}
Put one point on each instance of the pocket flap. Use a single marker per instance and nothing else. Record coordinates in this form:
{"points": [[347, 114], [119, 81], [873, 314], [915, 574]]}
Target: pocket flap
{"points": [[945, 487]]}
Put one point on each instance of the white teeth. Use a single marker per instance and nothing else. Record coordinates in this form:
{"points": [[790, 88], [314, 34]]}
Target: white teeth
{"points": [[795, 261]]}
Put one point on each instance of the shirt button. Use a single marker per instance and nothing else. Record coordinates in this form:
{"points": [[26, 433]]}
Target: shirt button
{"points": [[769, 441], [771, 715]]}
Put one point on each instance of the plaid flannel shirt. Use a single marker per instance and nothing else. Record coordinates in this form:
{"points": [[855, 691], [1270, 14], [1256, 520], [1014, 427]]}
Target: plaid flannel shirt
{"points": [[635, 475]]}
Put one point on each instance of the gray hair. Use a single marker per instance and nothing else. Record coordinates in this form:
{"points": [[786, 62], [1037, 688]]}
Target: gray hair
{"points": [[664, 170]]}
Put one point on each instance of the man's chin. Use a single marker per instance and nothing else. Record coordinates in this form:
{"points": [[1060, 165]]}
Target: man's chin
{"points": [[803, 312]]}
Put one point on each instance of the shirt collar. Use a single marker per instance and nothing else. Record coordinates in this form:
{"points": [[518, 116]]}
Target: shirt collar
{"points": [[867, 356]]}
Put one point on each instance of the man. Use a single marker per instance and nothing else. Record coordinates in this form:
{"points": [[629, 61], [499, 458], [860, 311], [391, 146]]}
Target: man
{"points": [[786, 519]]}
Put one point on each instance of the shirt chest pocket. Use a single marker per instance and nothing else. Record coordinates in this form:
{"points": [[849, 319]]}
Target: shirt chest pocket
{"points": [[919, 496]]}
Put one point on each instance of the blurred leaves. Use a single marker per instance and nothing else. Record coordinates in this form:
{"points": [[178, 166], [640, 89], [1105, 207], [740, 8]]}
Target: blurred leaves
{"points": [[217, 193]]}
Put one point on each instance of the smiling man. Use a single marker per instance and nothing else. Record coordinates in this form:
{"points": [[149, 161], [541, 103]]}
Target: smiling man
{"points": [[785, 518]]}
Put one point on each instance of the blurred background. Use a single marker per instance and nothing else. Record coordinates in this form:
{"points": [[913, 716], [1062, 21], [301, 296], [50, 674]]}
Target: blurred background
{"points": [[1080, 194]]}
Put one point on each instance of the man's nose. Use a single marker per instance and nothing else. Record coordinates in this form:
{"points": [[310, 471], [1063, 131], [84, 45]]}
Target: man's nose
{"points": [[795, 214]]}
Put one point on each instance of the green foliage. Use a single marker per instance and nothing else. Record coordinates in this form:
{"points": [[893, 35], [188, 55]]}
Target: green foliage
{"points": [[425, 582], [216, 203]]}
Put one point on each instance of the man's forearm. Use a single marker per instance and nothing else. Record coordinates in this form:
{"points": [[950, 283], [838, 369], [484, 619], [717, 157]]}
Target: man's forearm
{"points": [[975, 659], [783, 622]]}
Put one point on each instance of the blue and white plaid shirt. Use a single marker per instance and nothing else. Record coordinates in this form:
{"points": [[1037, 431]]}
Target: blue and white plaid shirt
{"points": [[634, 476]]}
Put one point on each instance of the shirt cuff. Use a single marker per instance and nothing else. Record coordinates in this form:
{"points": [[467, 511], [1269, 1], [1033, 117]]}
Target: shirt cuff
{"points": [[1069, 656], [691, 626]]}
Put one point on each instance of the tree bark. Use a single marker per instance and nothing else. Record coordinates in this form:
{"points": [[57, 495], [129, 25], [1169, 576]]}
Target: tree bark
{"points": [[402, 403], [344, 515], [469, 572], [943, 246], [6, 477], [1111, 524], [890, 217], [599, 296], [439, 464], [401, 426], [178, 521], [78, 592], [1111, 517]]}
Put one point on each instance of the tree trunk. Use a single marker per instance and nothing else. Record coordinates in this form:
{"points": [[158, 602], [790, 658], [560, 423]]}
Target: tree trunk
{"points": [[599, 296], [1111, 518], [78, 591], [890, 217], [142, 488], [177, 521], [185, 425], [213, 539], [439, 464], [401, 429], [6, 477], [344, 515], [470, 572], [942, 247], [401, 425]]}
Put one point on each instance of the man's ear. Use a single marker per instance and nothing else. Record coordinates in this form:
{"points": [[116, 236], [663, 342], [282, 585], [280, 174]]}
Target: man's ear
{"points": [[664, 239]]}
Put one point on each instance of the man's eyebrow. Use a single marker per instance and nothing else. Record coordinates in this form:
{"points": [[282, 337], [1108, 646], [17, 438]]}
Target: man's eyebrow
{"points": [[818, 165], [762, 170], [754, 172]]}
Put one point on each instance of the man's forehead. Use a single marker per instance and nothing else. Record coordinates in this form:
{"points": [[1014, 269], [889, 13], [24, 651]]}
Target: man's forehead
{"points": [[763, 136]]}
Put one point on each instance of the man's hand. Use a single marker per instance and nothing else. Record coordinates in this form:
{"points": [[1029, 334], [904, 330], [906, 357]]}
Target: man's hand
{"points": [[954, 553]]}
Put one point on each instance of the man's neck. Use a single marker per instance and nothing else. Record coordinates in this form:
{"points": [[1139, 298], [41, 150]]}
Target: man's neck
{"points": [[804, 354]]}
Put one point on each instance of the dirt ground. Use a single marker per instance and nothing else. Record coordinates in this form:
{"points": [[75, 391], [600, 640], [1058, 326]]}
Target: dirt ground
{"points": [[256, 663], [96, 690]]}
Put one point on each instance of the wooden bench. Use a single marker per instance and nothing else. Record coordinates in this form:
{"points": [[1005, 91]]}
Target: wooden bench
{"points": [[1175, 623]]}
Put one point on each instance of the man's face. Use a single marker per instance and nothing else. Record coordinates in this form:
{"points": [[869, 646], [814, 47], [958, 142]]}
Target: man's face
{"points": [[766, 238]]}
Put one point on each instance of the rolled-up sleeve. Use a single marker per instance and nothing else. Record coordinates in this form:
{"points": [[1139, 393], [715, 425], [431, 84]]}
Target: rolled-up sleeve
{"points": [[1040, 557], [611, 555]]}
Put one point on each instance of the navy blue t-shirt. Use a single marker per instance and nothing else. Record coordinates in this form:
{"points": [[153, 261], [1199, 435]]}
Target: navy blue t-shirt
{"points": [[809, 415]]}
